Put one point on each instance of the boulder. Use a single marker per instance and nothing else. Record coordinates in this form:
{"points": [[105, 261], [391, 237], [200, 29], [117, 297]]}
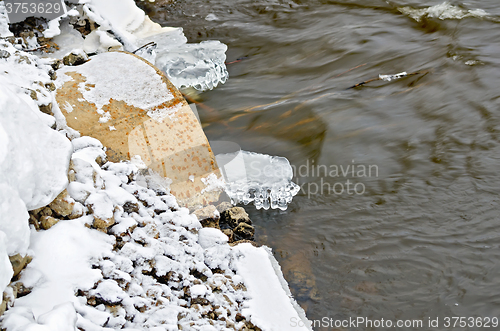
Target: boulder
{"points": [[133, 109]]}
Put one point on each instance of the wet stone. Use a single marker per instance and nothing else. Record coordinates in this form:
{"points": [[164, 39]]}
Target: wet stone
{"points": [[232, 217], [244, 231]]}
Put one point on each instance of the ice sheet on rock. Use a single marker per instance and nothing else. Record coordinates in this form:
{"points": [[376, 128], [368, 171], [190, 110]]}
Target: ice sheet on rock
{"points": [[262, 179], [442, 11], [145, 88]]}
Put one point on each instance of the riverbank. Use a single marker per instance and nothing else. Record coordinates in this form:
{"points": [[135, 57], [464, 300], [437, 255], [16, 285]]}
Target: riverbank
{"points": [[119, 253]]}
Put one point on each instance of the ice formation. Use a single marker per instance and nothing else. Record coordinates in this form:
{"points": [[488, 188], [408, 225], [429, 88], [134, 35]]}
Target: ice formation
{"points": [[388, 78], [442, 11], [262, 179], [198, 65], [101, 79]]}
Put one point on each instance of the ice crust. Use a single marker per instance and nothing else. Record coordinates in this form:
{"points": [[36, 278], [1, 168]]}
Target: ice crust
{"points": [[144, 89], [262, 179]]}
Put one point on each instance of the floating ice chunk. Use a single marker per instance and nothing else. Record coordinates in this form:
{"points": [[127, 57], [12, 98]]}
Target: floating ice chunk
{"points": [[262, 179], [198, 65], [442, 11], [388, 78], [211, 17]]}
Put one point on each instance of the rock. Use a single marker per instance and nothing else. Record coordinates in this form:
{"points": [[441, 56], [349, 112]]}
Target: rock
{"points": [[3, 305], [244, 231], [234, 216], [19, 290], [239, 317], [176, 147], [46, 211], [56, 64], [131, 207], [244, 241], [63, 204], [48, 221], [78, 211], [103, 224], [222, 207], [50, 86], [19, 262], [75, 59], [34, 221], [229, 233], [208, 216], [47, 109], [4, 54]]}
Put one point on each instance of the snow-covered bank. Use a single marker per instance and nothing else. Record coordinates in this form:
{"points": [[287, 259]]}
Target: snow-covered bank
{"points": [[115, 252]]}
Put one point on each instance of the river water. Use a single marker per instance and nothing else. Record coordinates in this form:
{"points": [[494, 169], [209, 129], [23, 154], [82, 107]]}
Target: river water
{"points": [[415, 232]]}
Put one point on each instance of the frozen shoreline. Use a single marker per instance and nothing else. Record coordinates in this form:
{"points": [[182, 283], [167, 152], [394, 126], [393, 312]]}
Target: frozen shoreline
{"points": [[153, 267]]}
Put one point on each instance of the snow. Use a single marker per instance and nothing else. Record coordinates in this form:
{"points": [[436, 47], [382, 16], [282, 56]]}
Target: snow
{"points": [[61, 264], [271, 306], [144, 89], [33, 165], [4, 26], [259, 178]]}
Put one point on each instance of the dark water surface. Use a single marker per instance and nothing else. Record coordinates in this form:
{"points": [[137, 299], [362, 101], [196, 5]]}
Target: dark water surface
{"points": [[423, 239]]}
